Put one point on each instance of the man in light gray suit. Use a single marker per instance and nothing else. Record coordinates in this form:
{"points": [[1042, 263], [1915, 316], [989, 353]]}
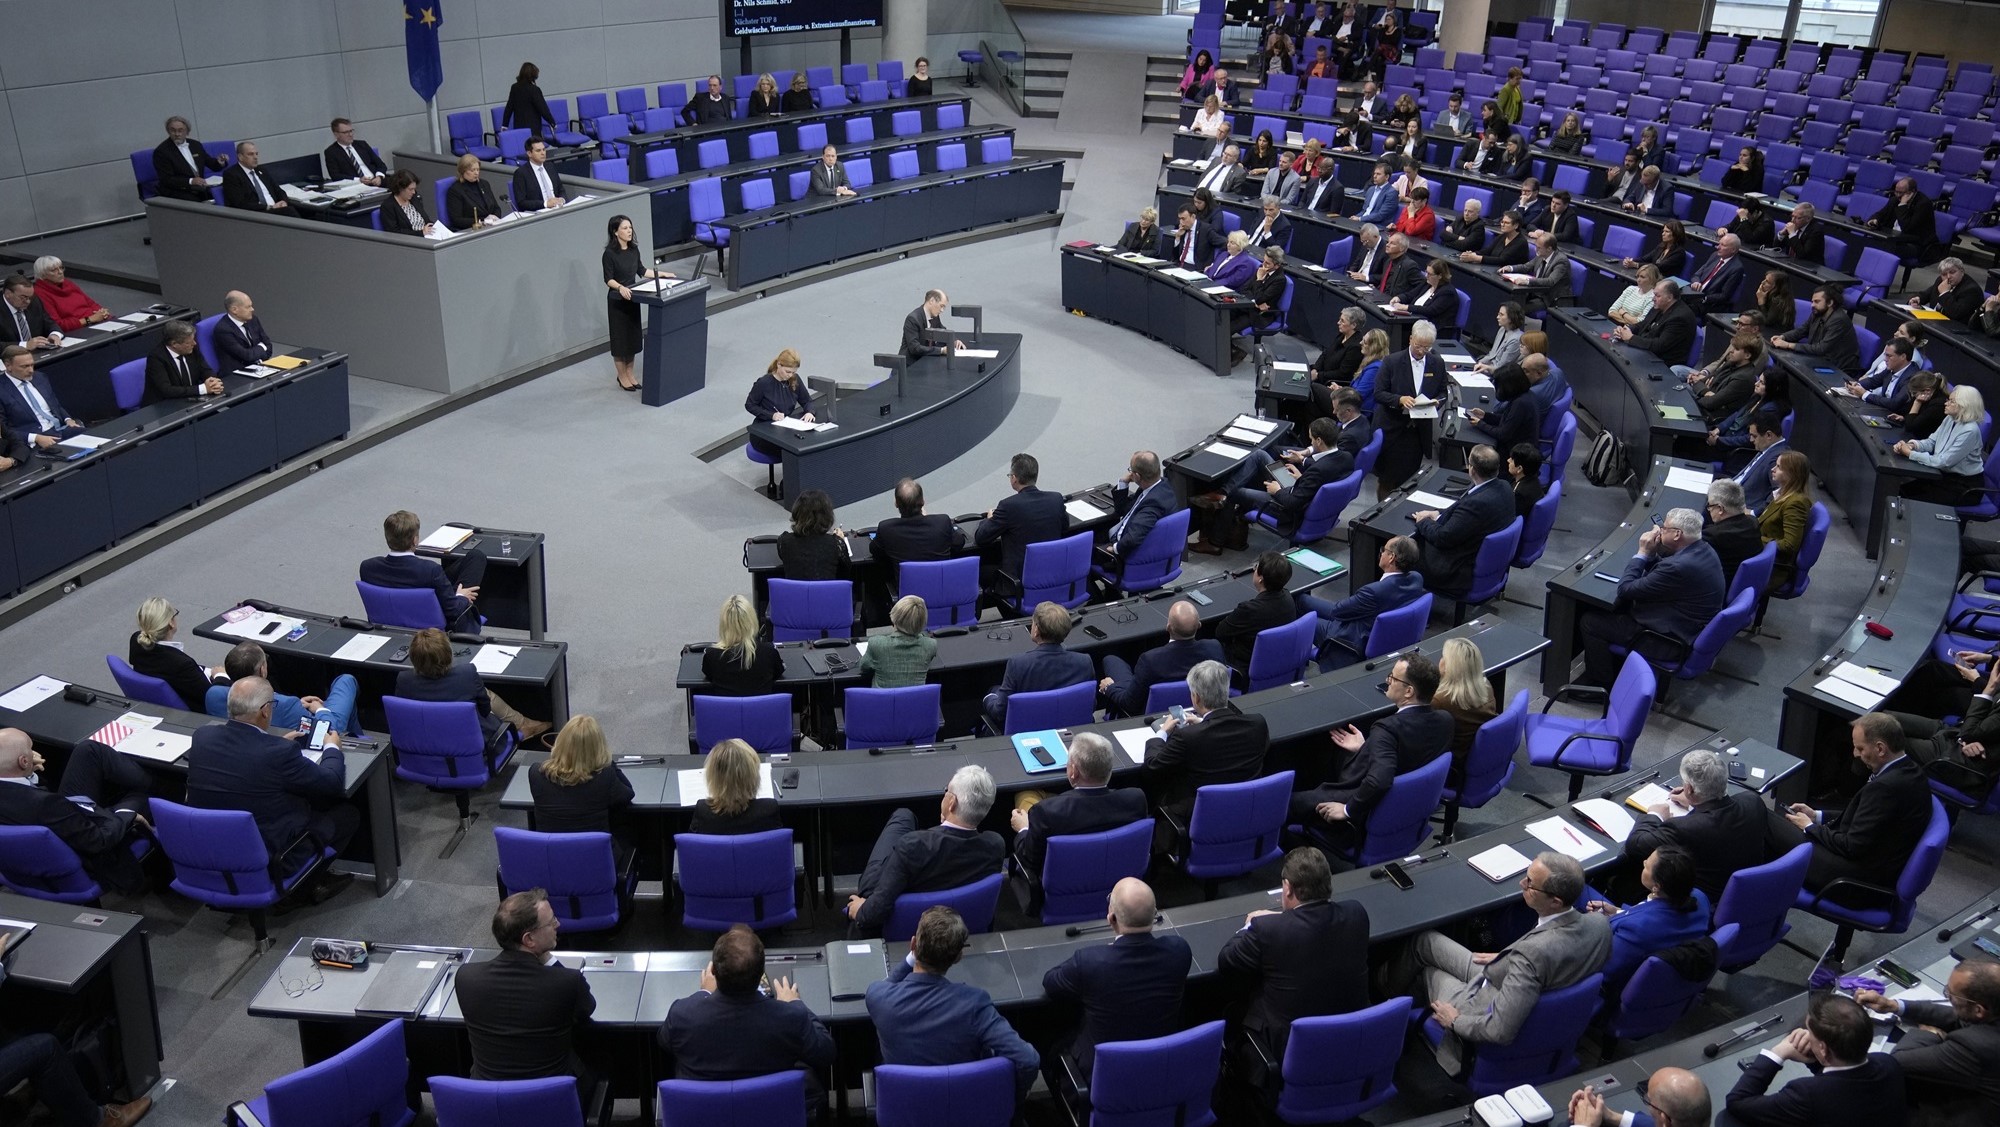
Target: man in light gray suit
{"points": [[1484, 997], [1546, 281], [829, 176]]}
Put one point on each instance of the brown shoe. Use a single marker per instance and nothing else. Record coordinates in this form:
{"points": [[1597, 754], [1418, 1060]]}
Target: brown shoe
{"points": [[529, 729], [124, 1115], [1203, 547]]}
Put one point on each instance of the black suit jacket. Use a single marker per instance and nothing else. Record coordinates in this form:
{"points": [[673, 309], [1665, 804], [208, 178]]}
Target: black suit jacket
{"points": [[761, 816], [1872, 837], [1870, 1095], [1205, 239], [416, 571], [1564, 225], [1341, 360], [914, 327], [1147, 241], [183, 674], [176, 174], [97, 835], [1454, 233], [1667, 333], [1130, 989], [1396, 380], [1085, 810], [236, 766], [1396, 745], [1293, 500], [1158, 502], [1307, 962], [1722, 836], [1734, 539], [1442, 308], [1808, 245], [722, 1036], [1158, 666], [942, 856], [1238, 630], [1450, 544], [1226, 746], [240, 347], [40, 324], [163, 375], [464, 200], [1719, 292], [1404, 274], [1917, 219], [1954, 1080], [921, 538], [394, 222], [459, 684], [340, 167], [238, 192], [528, 194], [1026, 516], [522, 1015]]}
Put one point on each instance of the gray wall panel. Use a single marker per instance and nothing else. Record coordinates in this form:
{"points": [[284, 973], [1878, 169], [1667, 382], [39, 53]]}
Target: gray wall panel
{"points": [[47, 44], [71, 196], [641, 11], [10, 145], [124, 114], [635, 54], [294, 95], [516, 17], [570, 61], [17, 208], [378, 81], [221, 32]]}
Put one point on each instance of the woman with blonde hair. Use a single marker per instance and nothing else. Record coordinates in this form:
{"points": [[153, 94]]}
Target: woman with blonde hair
{"points": [[1463, 691], [578, 790], [154, 652], [1636, 302], [1208, 119], [733, 776], [765, 101], [1374, 350], [799, 98], [903, 656], [742, 662]]}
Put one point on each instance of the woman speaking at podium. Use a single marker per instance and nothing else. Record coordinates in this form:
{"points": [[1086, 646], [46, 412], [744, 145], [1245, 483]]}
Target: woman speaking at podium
{"points": [[622, 267]]}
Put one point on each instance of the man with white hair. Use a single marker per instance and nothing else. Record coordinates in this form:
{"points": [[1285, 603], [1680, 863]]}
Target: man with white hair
{"points": [[1466, 231], [905, 859], [1089, 805], [1224, 176], [1732, 530], [1723, 832], [1712, 287], [1671, 586], [1215, 743]]}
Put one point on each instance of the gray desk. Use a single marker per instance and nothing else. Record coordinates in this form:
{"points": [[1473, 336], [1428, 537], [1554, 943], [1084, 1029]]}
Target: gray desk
{"points": [[84, 964], [1142, 298]]}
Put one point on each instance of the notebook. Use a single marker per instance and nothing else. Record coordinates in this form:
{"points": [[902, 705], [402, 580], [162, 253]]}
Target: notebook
{"points": [[1049, 741], [852, 967]]}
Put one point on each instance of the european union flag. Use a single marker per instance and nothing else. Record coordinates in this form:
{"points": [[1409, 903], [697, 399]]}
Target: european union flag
{"points": [[421, 21]]}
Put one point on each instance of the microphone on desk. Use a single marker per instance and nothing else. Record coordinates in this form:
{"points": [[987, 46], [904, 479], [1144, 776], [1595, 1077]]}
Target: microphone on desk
{"points": [[1829, 660], [1713, 1050], [1075, 930], [1946, 933]]}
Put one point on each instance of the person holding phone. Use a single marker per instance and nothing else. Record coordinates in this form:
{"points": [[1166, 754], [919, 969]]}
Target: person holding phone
{"points": [[248, 659]]}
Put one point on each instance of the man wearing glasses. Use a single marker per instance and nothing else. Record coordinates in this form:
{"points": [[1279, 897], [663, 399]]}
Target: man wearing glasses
{"points": [[1674, 1097], [1950, 1055], [1671, 586], [1336, 811], [1731, 530], [522, 1011]]}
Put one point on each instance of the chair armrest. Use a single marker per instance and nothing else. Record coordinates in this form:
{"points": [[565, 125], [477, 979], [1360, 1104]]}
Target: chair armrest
{"points": [[1968, 621], [1593, 737], [1588, 694], [1069, 1070], [1957, 776], [1887, 895], [1681, 650], [597, 1110]]}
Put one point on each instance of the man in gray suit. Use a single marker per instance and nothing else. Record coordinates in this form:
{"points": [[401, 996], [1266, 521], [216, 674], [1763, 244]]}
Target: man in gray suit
{"points": [[1483, 997], [829, 176], [1546, 282]]}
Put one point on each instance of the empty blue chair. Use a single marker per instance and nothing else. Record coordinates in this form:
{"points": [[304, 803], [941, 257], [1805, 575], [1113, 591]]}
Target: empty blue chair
{"points": [[413, 608], [860, 172], [950, 157], [730, 879], [617, 170], [899, 717], [578, 870], [809, 609], [1079, 870], [662, 163], [764, 146], [151, 690], [1492, 565], [979, 1094], [949, 588], [659, 119], [1488, 765], [996, 150], [903, 165], [1280, 653], [1338, 1068], [831, 97], [35, 862], [1157, 560], [440, 745], [1055, 571], [1166, 1080], [891, 72], [705, 208], [812, 137], [363, 1083], [632, 100], [219, 859], [1166, 694], [974, 902], [1541, 521], [514, 145], [1234, 828], [1596, 745], [906, 123], [1402, 819], [1693, 659], [951, 116], [1398, 629], [757, 195], [1754, 574], [561, 133], [128, 384], [764, 722], [1051, 708], [859, 130], [777, 1100], [468, 135], [1544, 1049], [1657, 996], [712, 153], [873, 92], [547, 1102]]}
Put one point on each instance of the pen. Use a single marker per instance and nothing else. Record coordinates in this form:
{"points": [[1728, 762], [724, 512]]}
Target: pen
{"points": [[1572, 834]]}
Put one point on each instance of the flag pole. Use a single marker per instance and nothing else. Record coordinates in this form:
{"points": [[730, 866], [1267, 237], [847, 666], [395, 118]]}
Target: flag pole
{"points": [[437, 145]]}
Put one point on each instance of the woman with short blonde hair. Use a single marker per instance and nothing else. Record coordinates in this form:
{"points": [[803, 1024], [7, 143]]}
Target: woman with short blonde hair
{"points": [[903, 656], [733, 776], [577, 790]]}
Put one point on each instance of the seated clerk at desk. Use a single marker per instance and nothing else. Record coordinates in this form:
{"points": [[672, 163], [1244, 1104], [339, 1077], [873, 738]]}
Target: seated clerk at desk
{"points": [[26, 320], [28, 402], [951, 854], [710, 107], [814, 547], [248, 659], [175, 370], [350, 158], [1449, 542], [98, 811], [154, 652], [577, 789], [1028, 515], [829, 176], [433, 676], [455, 582], [536, 185], [469, 203], [405, 212], [1671, 586], [1139, 500], [730, 1029], [779, 394], [1124, 687], [926, 318], [523, 1011], [1828, 333], [239, 338], [730, 772], [742, 662], [1047, 666], [1144, 236], [247, 186], [1668, 331]]}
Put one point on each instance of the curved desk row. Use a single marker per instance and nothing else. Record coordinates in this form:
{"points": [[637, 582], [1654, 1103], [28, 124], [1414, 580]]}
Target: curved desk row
{"points": [[776, 241], [160, 459], [80, 370], [1629, 391], [1135, 291], [686, 140], [1958, 350]]}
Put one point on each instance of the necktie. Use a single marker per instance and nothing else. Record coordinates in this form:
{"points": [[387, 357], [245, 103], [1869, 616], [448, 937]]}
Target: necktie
{"points": [[360, 166], [1712, 272], [1388, 267], [1187, 249], [542, 180], [257, 179], [180, 363], [43, 416], [20, 326]]}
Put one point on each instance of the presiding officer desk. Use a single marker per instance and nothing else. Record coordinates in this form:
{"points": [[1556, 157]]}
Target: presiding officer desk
{"points": [[57, 723], [536, 681], [79, 368], [158, 459], [1136, 291], [86, 965]]}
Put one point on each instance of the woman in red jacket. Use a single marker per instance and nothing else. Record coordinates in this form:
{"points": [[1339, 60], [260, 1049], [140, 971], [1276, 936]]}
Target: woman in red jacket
{"points": [[68, 306], [1417, 221]]}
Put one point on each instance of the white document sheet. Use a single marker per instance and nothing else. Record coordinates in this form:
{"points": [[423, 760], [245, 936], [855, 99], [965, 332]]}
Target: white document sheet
{"points": [[1431, 499], [1500, 862], [791, 424], [1614, 820], [1238, 434], [25, 696], [1850, 692], [138, 318], [253, 625], [83, 441], [1264, 426], [1226, 450], [1133, 741], [495, 659], [1865, 678], [445, 537], [361, 647], [1562, 837], [1653, 794], [1082, 510], [1694, 481], [157, 745], [694, 786], [979, 353]]}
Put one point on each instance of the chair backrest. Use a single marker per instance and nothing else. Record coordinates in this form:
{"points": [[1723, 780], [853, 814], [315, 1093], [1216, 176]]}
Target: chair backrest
{"points": [[363, 1083], [1920, 868], [35, 862], [1056, 571], [949, 588], [578, 870], [514, 145], [1707, 645], [128, 383], [1622, 242], [1756, 901], [1545, 1048], [662, 163], [1657, 995], [951, 157], [1496, 558], [874, 91], [763, 722], [975, 902], [1754, 574], [1402, 819], [218, 856], [712, 153], [1051, 708], [996, 150], [204, 333], [1280, 653], [979, 1094], [1400, 628], [859, 130], [1541, 521], [439, 742], [1330, 499], [1490, 762], [1340, 1066], [705, 199], [461, 126], [951, 116], [616, 170], [141, 687], [730, 879], [1631, 699], [757, 194], [547, 1102], [1235, 826], [1165, 1080], [1168, 693], [776, 1100], [1157, 560], [1816, 529], [1079, 870], [413, 608], [1364, 462], [895, 717], [804, 609], [1339, 251], [903, 165]]}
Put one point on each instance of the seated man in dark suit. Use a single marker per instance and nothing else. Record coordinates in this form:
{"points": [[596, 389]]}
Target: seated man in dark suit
{"points": [[299, 805], [1139, 499], [176, 370], [1668, 331], [729, 1029], [28, 402], [829, 176], [926, 318], [953, 853], [522, 1010], [1026, 516], [1089, 806], [1849, 1087], [1731, 530], [1272, 606], [97, 811], [24, 320], [1712, 287], [1130, 988], [1395, 745], [922, 1018], [912, 534], [1449, 542], [1124, 687], [247, 186], [1255, 485], [536, 185], [1723, 832], [1673, 586], [1342, 633], [709, 107], [1047, 666], [183, 165], [1308, 960], [44, 1061], [1950, 1050], [1216, 743], [240, 339], [1678, 1097], [350, 158], [456, 584], [1957, 755], [1868, 840]]}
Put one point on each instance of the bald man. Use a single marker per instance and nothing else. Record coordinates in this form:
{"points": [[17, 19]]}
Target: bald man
{"points": [[100, 806], [1678, 1097], [1130, 988], [1124, 687], [239, 338]]}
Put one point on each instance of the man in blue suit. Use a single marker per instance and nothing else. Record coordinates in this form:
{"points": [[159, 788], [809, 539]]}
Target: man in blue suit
{"points": [[1047, 666], [239, 338], [1849, 1086], [298, 804], [1253, 485], [1767, 437], [1679, 1096], [1449, 542], [1378, 201], [1139, 500], [1124, 687], [1130, 988], [1712, 287], [1671, 586], [1026, 516], [1342, 633], [248, 659], [457, 588], [28, 401], [923, 1018]]}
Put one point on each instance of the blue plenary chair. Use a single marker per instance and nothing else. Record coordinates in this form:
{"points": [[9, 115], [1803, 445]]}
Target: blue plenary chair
{"points": [[1544, 1049], [1656, 996], [578, 870], [440, 745], [413, 608], [730, 879], [1402, 819], [705, 208], [1886, 910], [1689, 660], [219, 859], [363, 1083], [1280, 654], [810, 609], [1051, 708], [1340, 1067], [1054, 571], [764, 722], [468, 135], [1535, 532], [896, 717], [1398, 629], [1157, 560], [1490, 569], [777, 1100], [1595, 745], [949, 588], [547, 1102], [1754, 574], [204, 329], [1489, 765], [1756, 902], [141, 687], [1165, 1080], [616, 170], [1079, 870], [1234, 829], [35, 862], [976, 902], [979, 1094], [1166, 694], [1322, 513]]}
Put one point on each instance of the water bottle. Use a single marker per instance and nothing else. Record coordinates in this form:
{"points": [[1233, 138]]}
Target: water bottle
{"points": [[506, 545]]}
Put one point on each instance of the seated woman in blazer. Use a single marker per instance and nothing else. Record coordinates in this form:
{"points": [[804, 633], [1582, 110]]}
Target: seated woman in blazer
{"points": [[1787, 514], [742, 662], [469, 203], [154, 652], [1516, 418], [779, 394], [1436, 299], [814, 547], [577, 790], [403, 213], [432, 676], [732, 805]]}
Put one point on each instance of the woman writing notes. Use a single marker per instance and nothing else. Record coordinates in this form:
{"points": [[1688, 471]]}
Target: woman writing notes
{"points": [[402, 213], [623, 266], [469, 203], [779, 394]]}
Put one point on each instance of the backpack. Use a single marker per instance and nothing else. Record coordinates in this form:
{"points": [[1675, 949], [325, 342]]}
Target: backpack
{"points": [[1606, 464]]}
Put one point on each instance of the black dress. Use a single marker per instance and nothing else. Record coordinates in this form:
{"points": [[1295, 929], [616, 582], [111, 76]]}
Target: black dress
{"points": [[819, 557], [527, 109], [917, 88], [599, 804], [765, 105], [759, 817], [797, 101], [623, 267], [727, 677]]}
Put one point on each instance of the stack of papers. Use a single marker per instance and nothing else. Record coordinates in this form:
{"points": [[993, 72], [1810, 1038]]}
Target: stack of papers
{"points": [[1424, 409], [979, 353], [258, 624], [445, 537], [1238, 434], [25, 696], [1185, 274], [109, 327], [791, 424], [1606, 817], [1226, 450], [493, 659], [1653, 794], [1082, 510], [1432, 500], [1500, 862], [83, 442], [1694, 481], [361, 647], [1287, 366], [1133, 742], [1216, 289], [1476, 380], [1670, 411], [139, 318], [1863, 688], [1263, 426], [694, 785], [438, 233], [118, 731], [1562, 837]]}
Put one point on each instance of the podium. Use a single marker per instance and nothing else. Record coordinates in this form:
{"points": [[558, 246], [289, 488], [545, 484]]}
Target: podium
{"points": [[676, 353]]}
